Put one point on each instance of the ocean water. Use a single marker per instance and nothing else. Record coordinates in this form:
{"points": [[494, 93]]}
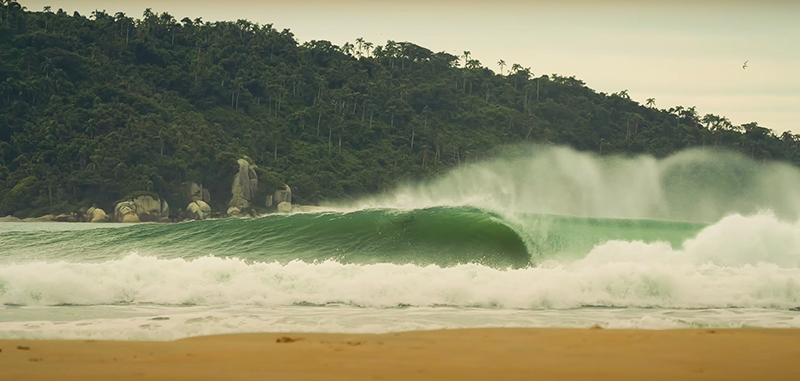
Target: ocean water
{"points": [[540, 237]]}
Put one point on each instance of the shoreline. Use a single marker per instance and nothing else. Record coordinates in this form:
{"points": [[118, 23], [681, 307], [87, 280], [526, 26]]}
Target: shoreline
{"points": [[51, 218], [485, 354]]}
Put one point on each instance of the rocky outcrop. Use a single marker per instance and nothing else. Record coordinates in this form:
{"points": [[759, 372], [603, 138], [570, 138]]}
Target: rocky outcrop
{"points": [[283, 199], [142, 209], [282, 195], [284, 207], [245, 186], [45, 218], [10, 219], [198, 210], [95, 215], [196, 192], [234, 211]]}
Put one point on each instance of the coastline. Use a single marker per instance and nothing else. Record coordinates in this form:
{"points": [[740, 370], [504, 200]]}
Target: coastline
{"points": [[486, 354]]}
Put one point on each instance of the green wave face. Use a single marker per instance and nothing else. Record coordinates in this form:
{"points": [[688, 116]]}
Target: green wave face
{"points": [[563, 237], [442, 236]]}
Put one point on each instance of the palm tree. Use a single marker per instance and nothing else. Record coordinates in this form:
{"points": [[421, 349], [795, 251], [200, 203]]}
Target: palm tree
{"points": [[677, 110], [473, 64], [690, 116], [367, 47], [787, 137], [502, 64], [711, 121], [651, 102], [360, 43], [347, 48], [47, 9], [391, 51], [466, 57], [636, 118], [8, 9]]}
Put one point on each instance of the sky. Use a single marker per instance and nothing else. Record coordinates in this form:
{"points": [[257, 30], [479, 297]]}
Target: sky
{"points": [[687, 53]]}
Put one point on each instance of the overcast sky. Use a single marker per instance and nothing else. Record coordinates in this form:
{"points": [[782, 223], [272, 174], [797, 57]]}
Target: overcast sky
{"points": [[687, 53]]}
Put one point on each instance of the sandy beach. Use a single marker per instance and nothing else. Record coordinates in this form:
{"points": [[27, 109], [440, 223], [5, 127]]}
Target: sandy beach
{"points": [[485, 354]]}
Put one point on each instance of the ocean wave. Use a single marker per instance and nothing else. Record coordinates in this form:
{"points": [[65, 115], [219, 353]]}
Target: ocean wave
{"points": [[738, 262]]}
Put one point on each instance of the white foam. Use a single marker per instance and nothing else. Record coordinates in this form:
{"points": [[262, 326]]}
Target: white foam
{"points": [[171, 323]]}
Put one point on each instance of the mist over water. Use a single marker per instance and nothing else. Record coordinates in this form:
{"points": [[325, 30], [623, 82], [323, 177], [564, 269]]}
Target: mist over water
{"points": [[693, 185]]}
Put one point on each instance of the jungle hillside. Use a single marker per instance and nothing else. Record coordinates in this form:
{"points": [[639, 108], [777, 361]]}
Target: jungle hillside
{"points": [[97, 107]]}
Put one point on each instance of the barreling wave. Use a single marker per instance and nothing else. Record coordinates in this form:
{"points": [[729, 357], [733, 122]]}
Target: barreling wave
{"points": [[738, 262], [440, 236]]}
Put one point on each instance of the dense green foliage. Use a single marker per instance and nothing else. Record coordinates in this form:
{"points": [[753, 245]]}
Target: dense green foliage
{"points": [[94, 108]]}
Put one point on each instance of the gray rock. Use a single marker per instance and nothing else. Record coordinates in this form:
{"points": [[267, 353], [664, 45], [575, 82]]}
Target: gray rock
{"points": [[164, 210], [234, 211], [45, 218], [198, 210], [142, 209], [125, 211], [95, 215], [284, 207], [196, 192], [244, 187], [283, 195]]}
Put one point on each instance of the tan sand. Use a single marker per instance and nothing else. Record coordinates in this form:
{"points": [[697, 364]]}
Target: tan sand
{"points": [[479, 354]]}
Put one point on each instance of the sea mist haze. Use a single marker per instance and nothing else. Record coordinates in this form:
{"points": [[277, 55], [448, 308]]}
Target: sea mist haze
{"points": [[536, 237]]}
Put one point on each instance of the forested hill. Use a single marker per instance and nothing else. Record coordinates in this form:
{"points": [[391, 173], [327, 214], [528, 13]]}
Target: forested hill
{"points": [[95, 107]]}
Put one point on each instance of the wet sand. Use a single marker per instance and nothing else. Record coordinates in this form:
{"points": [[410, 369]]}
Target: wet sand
{"points": [[472, 354]]}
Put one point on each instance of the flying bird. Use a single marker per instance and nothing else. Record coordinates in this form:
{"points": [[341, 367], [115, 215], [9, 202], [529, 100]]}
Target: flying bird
{"points": [[744, 67]]}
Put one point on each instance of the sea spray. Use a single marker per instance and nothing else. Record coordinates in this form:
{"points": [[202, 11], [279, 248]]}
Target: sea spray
{"points": [[693, 185]]}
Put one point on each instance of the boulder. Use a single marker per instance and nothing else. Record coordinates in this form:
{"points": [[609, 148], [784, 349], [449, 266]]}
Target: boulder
{"points": [[198, 210], [234, 211], [142, 209], [125, 212], [164, 216], [283, 195], [196, 192], [284, 207], [245, 186], [95, 215]]}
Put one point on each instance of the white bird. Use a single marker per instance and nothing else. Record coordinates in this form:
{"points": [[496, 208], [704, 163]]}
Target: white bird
{"points": [[745, 65]]}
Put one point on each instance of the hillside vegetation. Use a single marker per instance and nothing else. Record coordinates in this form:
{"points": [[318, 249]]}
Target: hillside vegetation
{"points": [[95, 108]]}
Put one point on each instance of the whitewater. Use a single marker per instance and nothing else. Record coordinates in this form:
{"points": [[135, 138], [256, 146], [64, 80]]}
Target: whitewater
{"points": [[537, 237]]}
